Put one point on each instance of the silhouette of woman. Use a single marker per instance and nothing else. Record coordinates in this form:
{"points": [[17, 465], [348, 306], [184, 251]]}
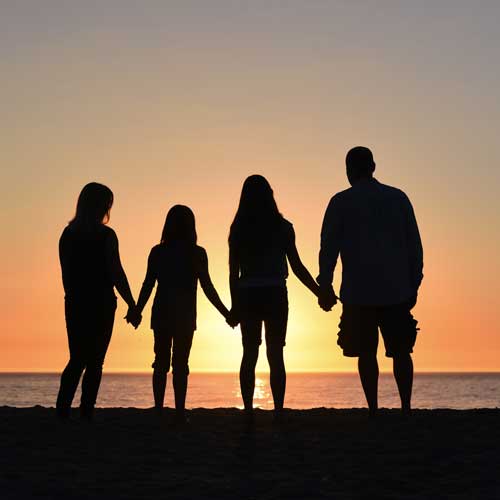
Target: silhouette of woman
{"points": [[260, 241], [176, 264], [91, 268]]}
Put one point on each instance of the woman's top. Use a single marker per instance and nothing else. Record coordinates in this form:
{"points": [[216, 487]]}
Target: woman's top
{"points": [[263, 262], [175, 268], [84, 257]]}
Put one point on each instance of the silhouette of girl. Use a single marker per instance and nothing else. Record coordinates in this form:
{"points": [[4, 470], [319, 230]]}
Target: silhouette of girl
{"points": [[176, 264], [91, 268], [260, 241]]}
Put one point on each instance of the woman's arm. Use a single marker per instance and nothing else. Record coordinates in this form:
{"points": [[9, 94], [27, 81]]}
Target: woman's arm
{"points": [[118, 275], [297, 267], [148, 283], [208, 287], [63, 259]]}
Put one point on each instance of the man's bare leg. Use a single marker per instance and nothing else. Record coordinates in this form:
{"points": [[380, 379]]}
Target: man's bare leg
{"points": [[403, 373], [368, 373]]}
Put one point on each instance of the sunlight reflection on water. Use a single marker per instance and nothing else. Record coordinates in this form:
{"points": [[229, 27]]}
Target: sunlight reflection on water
{"points": [[262, 396]]}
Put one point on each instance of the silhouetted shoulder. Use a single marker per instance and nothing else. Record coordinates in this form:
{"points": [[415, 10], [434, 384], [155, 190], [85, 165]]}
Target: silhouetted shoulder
{"points": [[395, 193], [155, 255], [287, 226], [287, 230], [201, 254], [201, 260], [157, 249], [337, 200], [342, 194], [110, 240], [73, 231], [340, 197], [109, 232]]}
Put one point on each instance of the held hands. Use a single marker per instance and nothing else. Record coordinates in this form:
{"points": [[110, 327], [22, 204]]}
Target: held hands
{"points": [[232, 318], [134, 317], [326, 298]]}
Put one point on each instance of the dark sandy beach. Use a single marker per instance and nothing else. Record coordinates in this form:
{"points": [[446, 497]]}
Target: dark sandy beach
{"points": [[319, 453]]}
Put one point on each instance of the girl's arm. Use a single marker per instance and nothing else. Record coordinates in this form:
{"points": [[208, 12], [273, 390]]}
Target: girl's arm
{"points": [[148, 283], [118, 275], [297, 267], [208, 287]]}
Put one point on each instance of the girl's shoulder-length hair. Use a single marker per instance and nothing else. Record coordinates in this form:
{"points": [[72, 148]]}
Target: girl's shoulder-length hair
{"points": [[93, 206], [179, 227]]}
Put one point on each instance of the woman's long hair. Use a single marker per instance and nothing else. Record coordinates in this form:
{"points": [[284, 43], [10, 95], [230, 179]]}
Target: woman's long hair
{"points": [[257, 216], [179, 227], [93, 206]]}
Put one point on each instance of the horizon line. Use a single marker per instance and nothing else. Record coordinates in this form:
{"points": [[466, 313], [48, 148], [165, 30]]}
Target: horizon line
{"points": [[294, 372]]}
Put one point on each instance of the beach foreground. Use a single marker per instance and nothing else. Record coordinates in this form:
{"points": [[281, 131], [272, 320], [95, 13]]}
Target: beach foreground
{"points": [[318, 453]]}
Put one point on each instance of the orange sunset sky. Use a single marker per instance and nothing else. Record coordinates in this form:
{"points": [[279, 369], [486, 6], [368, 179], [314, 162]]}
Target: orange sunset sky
{"points": [[177, 102]]}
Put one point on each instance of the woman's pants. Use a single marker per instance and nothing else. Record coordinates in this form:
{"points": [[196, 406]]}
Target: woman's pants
{"points": [[89, 328]]}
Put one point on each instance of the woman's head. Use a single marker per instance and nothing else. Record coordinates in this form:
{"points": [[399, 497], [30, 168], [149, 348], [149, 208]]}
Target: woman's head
{"points": [[257, 211], [179, 226], [93, 205]]}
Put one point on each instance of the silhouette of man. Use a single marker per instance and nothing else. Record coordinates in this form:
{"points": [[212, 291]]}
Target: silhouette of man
{"points": [[373, 228]]}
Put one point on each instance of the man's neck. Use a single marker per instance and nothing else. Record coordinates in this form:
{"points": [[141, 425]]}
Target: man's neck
{"points": [[363, 179]]}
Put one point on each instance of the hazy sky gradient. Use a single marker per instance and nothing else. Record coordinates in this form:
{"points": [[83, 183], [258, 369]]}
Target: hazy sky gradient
{"points": [[177, 102]]}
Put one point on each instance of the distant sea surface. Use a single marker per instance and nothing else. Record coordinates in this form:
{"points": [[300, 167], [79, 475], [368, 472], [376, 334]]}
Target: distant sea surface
{"points": [[304, 390]]}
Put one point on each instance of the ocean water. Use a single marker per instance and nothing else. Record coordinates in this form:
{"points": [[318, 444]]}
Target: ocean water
{"points": [[304, 390]]}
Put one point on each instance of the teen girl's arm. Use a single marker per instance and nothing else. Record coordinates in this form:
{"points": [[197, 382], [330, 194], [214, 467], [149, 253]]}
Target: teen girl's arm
{"points": [[118, 275], [296, 264], [207, 285]]}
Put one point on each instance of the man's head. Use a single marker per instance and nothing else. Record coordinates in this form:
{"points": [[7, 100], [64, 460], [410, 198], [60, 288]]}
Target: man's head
{"points": [[359, 164]]}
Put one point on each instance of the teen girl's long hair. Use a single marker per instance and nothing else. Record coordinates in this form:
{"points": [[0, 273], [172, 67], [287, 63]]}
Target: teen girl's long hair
{"points": [[93, 207], [179, 227], [257, 217]]}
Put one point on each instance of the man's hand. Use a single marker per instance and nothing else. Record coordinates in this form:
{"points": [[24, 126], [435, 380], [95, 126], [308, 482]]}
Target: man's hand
{"points": [[326, 298]]}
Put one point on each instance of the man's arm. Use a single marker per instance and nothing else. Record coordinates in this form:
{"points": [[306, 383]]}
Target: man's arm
{"points": [[331, 232], [415, 250]]}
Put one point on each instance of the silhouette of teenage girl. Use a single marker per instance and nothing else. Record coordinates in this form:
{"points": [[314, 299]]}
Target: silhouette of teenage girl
{"points": [[260, 241], [176, 265], [91, 268]]}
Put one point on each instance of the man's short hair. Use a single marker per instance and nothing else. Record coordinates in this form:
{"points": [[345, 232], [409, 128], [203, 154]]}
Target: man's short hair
{"points": [[360, 158]]}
